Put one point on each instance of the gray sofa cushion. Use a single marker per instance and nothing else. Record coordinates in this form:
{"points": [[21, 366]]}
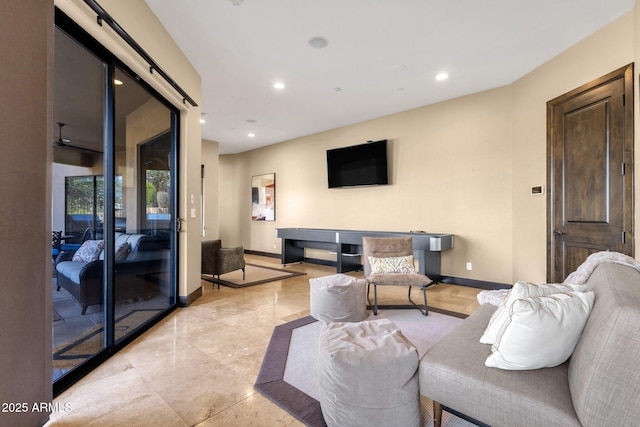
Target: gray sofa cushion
{"points": [[71, 269], [604, 374], [453, 373]]}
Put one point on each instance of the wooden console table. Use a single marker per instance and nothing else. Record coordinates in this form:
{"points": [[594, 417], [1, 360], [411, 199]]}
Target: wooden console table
{"points": [[347, 244]]}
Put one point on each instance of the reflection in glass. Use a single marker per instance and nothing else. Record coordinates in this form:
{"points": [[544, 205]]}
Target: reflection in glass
{"points": [[143, 243], [77, 206], [113, 236]]}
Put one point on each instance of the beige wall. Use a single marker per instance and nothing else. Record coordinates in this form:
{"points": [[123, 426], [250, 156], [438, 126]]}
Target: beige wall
{"points": [[234, 210], [450, 171], [26, 132], [210, 183], [464, 166], [146, 122], [143, 26], [602, 52]]}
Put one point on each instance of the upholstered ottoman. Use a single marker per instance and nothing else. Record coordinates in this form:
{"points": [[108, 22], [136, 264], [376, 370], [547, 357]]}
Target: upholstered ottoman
{"points": [[338, 298], [368, 375]]}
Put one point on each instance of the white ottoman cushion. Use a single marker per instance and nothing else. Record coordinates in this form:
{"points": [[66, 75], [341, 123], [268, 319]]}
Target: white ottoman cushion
{"points": [[338, 298], [368, 375]]}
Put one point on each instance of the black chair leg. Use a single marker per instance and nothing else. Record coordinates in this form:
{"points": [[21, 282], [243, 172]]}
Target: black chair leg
{"points": [[375, 299], [218, 281], [424, 294]]}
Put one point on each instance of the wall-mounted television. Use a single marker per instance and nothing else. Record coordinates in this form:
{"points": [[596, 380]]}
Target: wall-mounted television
{"points": [[364, 164]]}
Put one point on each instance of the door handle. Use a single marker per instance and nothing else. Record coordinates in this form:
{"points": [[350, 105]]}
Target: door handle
{"points": [[558, 233]]}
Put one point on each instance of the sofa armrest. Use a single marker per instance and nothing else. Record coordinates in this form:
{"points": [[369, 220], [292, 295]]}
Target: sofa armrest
{"points": [[92, 270], [64, 256]]}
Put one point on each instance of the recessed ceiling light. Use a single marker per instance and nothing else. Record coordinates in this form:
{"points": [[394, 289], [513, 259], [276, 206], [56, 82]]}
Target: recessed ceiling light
{"points": [[117, 82], [252, 135], [318, 42], [202, 120], [278, 85], [442, 76]]}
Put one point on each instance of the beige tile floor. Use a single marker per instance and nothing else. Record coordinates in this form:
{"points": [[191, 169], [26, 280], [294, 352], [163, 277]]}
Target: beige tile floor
{"points": [[197, 367]]}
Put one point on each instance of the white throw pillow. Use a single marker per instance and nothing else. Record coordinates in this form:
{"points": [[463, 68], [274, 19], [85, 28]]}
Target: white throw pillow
{"points": [[541, 332], [399, 264], [518, 291]]}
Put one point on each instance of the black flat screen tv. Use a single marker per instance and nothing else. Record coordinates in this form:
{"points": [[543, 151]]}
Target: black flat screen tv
{"points": [[357, 165]]}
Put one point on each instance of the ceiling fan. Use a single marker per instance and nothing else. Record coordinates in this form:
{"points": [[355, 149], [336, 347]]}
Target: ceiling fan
{"points": [[66, 143]]}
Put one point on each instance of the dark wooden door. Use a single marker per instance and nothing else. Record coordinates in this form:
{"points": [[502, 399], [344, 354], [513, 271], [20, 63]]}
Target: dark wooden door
{"points": [[590, 172]]}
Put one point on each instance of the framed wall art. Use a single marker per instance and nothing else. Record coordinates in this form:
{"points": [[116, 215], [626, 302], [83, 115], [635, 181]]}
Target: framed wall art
{"points": [[263, 197]]}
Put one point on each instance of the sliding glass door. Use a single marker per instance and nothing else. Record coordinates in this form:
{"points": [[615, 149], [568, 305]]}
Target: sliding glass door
{"points": [[143, 239], [114, 237], [78, 210]]}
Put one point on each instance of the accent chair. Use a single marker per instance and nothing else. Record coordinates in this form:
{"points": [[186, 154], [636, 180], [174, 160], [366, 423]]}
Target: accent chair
{"points": [[388, 261], [217, 260]]}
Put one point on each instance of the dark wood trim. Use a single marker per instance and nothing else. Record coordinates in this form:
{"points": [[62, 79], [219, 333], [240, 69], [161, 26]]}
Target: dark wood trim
{"points": [[472, 283], [186, 301], [267, 254], [451, 280]]}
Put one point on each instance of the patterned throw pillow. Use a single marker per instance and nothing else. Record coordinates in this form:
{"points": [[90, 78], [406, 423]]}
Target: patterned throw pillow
{"points": [[89, 251], [400, 264]]}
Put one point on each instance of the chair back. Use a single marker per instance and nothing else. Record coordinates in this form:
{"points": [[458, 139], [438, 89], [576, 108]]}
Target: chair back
{"points": [[384, 247], [56, 239], [210, 256]]}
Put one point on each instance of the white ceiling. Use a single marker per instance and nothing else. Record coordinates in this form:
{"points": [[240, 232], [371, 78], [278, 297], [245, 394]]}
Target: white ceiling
{"points": [[382, 56]]}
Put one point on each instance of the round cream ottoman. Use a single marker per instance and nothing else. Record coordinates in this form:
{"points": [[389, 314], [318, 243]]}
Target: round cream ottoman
{"points": [[338, 298], [368, 375]]}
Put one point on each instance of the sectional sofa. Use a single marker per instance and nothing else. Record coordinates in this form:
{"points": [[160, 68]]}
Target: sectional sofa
{"points": [[598, 386]]}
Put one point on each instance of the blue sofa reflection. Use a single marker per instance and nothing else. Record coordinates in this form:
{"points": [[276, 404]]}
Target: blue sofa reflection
{"points": [[140, 260]]}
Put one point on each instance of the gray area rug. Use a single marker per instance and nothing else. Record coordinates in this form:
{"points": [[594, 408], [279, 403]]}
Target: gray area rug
{"points": [[288, 373]]}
